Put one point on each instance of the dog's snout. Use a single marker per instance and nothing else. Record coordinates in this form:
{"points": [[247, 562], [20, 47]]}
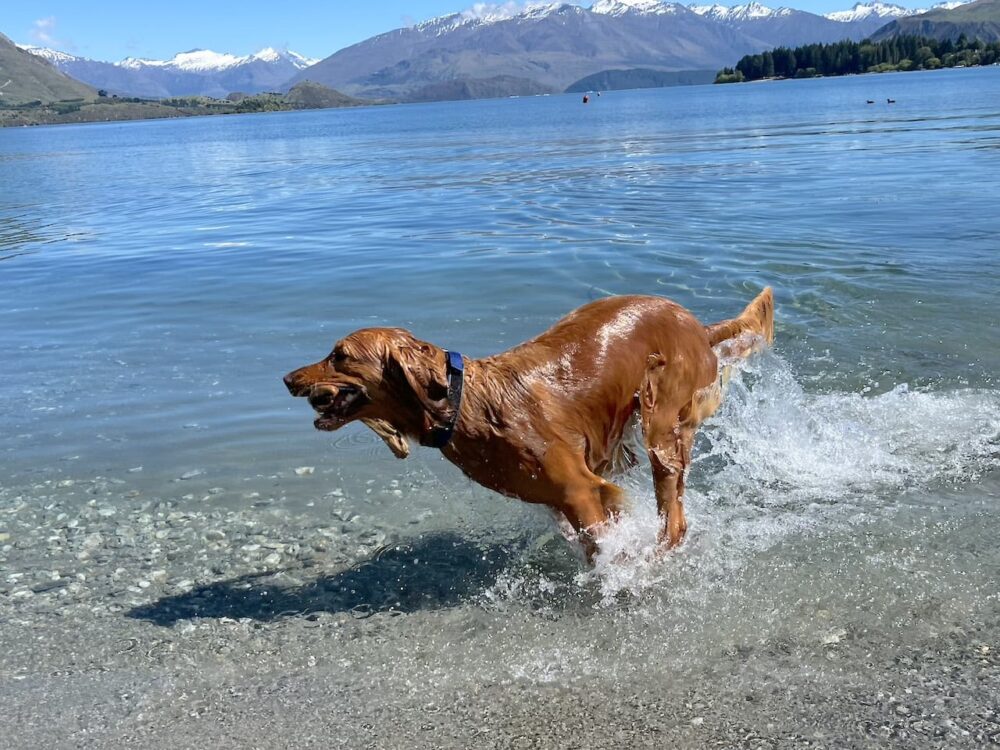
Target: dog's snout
{"points": [[293, 384], [300, 382]]}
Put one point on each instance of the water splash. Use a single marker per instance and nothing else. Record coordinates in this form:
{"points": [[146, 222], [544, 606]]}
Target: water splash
{"points": [[777, 460], [773, 442]]}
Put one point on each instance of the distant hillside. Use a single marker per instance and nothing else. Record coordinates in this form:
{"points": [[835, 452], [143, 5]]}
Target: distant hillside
{"points": [[26, 78], [978, 20], [496, 87], [312, 95], [639, 78]]}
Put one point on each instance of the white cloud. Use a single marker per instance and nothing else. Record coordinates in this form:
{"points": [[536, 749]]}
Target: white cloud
{"points": [[42, 31]]}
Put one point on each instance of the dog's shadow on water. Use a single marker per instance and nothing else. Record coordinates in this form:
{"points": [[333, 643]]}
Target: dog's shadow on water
{"points": [[430, 572]]}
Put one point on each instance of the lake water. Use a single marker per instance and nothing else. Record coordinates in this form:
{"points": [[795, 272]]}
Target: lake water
{"points": [[158, 279]]}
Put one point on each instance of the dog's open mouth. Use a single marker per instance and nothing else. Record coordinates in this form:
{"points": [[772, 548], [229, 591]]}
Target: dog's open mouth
{"points": [[336, 408]]}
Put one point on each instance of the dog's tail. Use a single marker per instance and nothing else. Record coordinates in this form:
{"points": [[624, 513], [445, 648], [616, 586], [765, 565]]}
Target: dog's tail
{"points": [[741, 336]]}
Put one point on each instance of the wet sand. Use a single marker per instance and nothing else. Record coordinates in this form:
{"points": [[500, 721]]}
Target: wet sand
{"points": [[174, 623]]}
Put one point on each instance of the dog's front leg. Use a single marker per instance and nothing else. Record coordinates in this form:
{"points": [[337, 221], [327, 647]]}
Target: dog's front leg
{"points": [[583, 509]]}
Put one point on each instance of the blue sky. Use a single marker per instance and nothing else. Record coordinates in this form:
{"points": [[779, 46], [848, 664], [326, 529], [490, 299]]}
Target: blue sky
{"points": [[114, 29]]}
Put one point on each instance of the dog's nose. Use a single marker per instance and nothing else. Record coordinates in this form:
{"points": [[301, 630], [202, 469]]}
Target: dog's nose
{"points": [[292, 385]]}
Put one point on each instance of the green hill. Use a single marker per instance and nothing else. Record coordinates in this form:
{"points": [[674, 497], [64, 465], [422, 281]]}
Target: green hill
{"points": [[309, 95], [27, 78], [978, 20]]}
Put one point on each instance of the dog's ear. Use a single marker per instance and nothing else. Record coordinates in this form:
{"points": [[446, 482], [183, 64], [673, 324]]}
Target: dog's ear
{"points": [[390, 435], [422, 368]]}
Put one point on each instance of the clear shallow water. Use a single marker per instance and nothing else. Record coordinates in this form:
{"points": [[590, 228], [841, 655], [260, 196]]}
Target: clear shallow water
{"points": [[158, 278]]}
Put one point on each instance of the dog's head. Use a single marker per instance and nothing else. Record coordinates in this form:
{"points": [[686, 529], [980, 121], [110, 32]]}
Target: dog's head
{"points": [[394, 383]]}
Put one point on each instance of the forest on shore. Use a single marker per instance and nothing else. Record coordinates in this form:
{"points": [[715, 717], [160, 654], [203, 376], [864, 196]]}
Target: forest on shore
{"points": [[850, 58]]}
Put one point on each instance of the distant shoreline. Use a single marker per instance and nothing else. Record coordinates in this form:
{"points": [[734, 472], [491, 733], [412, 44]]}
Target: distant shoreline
{"points": [[104, 108], [171, 115], [778, 79]]}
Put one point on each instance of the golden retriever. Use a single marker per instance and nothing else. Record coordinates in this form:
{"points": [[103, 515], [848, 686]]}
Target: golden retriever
{"points": [[545, 421]]}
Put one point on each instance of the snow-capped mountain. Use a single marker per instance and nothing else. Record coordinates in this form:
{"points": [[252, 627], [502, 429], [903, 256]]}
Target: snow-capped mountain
{"points": [[737, 13], [205, 60], [775, 27], [540, 47], [869, 17], [550, 45], [861, 11], [485, 13], [622, 7], [52, 55], [193, 73]]}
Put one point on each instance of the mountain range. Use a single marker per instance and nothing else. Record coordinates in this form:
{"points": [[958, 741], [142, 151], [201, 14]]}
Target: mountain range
{"points": [[556, 44], [193, 73], [506, 50]]}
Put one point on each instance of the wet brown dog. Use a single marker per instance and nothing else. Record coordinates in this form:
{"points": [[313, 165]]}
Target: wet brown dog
{"points": [[545, 421]]}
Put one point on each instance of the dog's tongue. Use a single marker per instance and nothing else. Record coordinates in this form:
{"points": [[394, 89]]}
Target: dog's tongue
{"points": [[343, 399]]}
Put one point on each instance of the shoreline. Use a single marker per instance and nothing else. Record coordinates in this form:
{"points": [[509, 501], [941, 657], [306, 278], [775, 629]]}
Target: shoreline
{"points": [[304, 96], [174, 114]]}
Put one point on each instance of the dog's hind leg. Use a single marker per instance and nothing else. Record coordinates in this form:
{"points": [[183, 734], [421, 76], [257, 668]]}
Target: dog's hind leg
{"points": [[669, 455], [669, 419]]}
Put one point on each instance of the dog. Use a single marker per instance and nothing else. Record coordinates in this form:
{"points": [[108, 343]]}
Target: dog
{"points": [[545, 421]]}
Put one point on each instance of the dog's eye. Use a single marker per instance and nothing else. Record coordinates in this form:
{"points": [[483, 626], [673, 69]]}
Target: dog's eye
{"points": [[338, 355]]}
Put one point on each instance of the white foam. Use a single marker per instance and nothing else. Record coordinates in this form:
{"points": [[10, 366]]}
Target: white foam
{"points": [[780, 444]]}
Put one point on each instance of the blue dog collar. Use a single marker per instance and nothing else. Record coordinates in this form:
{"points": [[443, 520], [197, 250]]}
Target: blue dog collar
{"points": [[440, 436]]}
